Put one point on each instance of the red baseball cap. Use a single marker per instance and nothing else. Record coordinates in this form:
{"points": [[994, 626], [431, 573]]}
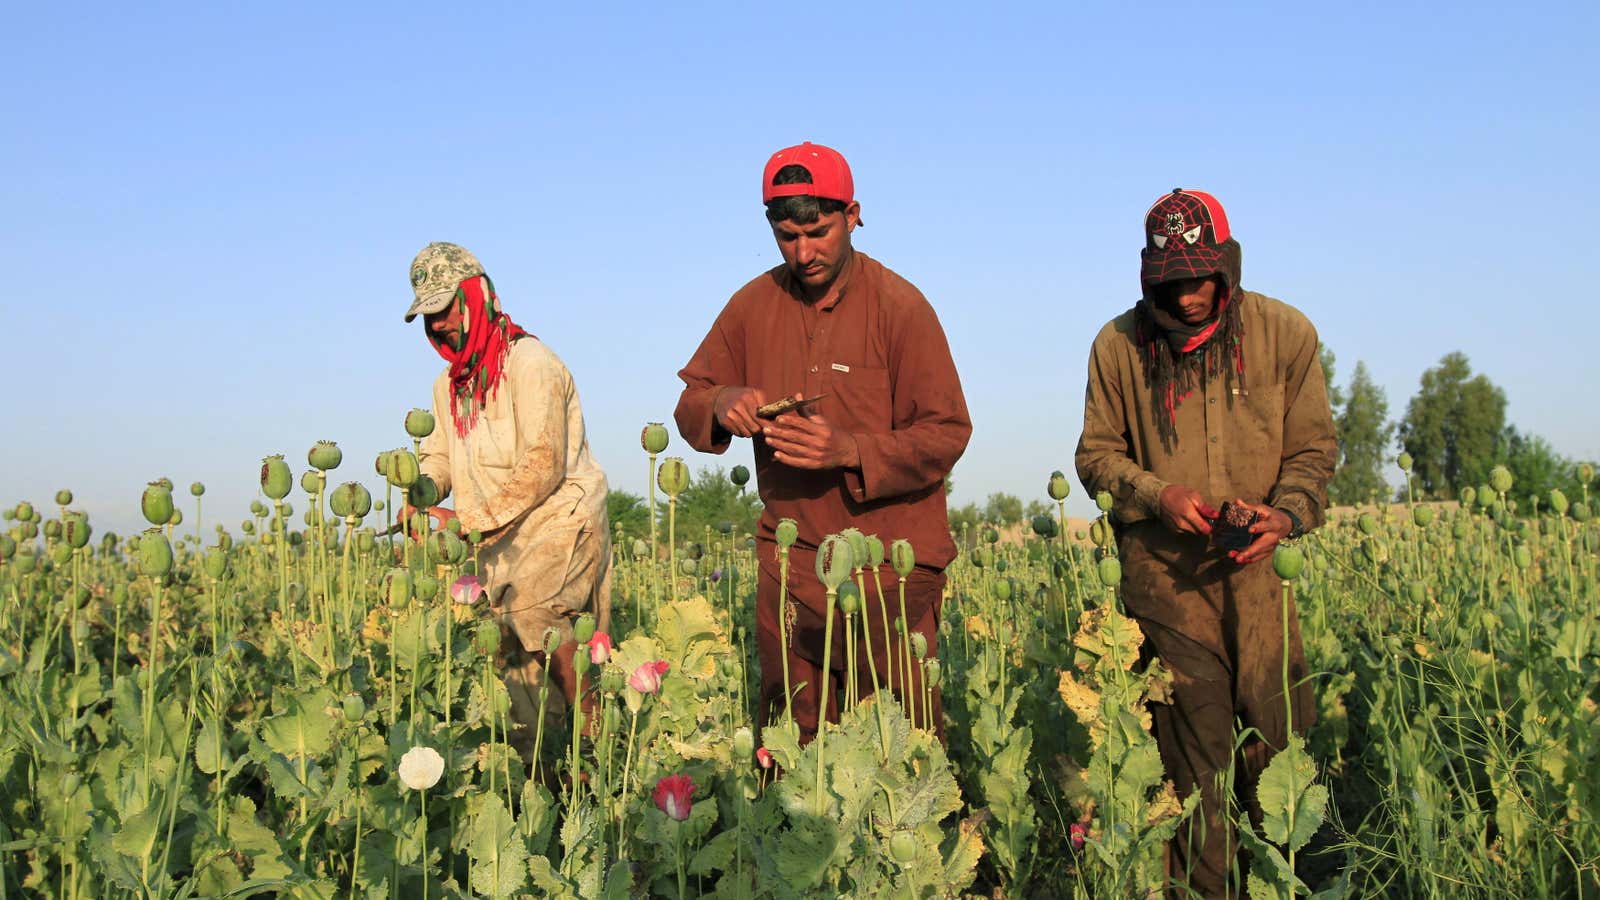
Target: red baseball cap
{"points": [[830, 174]]}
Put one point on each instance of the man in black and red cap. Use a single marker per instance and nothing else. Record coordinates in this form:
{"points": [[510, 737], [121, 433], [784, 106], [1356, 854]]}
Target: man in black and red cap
{"points": [[872, 452], [1204, 395]]}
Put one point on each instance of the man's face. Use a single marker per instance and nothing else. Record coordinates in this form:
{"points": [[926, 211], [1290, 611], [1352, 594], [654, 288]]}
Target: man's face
{"points": [[444, 327], [1191, 300], [816, 253]]}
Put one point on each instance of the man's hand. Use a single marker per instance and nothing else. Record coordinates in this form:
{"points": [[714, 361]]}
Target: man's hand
{"points": [[442, 513], [735, 410], [1272, 525], [1184, 511], [811, 443]]}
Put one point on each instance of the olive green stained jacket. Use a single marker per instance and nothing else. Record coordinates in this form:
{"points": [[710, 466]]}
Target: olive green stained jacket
{"points": [[523, 476], [1266, 436]]}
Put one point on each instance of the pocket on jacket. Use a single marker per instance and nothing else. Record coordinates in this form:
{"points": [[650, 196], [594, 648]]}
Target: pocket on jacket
{"points": [[861, 400], [492, 445]]}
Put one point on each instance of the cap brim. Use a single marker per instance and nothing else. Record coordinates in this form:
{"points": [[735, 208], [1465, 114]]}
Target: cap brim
{"points": [[429, 304], [1170, 265]]}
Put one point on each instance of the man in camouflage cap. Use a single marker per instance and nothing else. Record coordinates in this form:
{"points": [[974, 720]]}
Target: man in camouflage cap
{"points": [[511, 446]]}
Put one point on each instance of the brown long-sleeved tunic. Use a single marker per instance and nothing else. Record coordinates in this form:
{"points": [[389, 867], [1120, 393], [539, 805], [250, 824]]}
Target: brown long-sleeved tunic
{"points": [[1266, 438], [879, 356]]}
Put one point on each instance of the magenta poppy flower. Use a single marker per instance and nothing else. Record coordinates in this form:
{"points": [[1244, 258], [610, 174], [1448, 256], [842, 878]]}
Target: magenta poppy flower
{"points": [[646, 679], [1077, 834], [764, 758], [466, 590], [674, 795], [599, 648]]}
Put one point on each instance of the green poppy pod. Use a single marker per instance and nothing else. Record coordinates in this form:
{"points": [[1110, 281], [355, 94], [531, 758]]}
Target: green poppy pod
{"points": [[1585, 473], [935, 672], [1416, 592], [1523, 556], [353, 707], [308, 482], [75, 530], [1500, 479], [552, 641], [1558, 502], [426, 587], [474, 537], [25, 562], [975, 556], [176, 518], [1423, 516], [296, 539], [849, 598], [397, 590], [1058, 486], [834, 561], [991, 536], [654, 438], [694, 550], [740, 476], [366, 540], [423, 493], [1103, 501], [154, 554], [52, 530], [1368, 524], [350, 500], [1580, 512], [903, 847], [486, 637], [583, 628], [858, 546], [1468, 494], [1404, 462], [216, 563], [447, 547], [786, 533], [30, 530], [1003, 589], [1375, 552], [380, 463], [641, 550], [419, 423], [1044, 526], [8, 547], [403, 470], [275, 477], [247, 526], [156, 504], [902, 557], [673, 476], [1110, 571], [325, 455], [1001, 564], [919, 644], [24, 511], [1485, 496], [60, 554], [612, 681], [689, 566], [874, 551], [196, 489], [1100, 532], [1288, 561], [63, 498]]}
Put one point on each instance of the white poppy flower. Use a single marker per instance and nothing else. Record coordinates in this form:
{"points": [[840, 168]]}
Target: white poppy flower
{"points": [[421, 768]]}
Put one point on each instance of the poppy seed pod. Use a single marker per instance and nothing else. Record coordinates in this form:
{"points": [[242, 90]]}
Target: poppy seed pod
{"points": [[1404, 462], [366, 540], [874, 551], [63, 498], [1523, 556], [403, 470], [991, 536], [423, 492], [350, 500], [583, 628], [325, 455], [689, 566], [1416, 592], [447, 547], [156, 504], [919, 644], [419, 423], [935, 672], [308, 482], [1468, 494], [786, 533], [426, 587], [849, 598], [75, 530], [397, 587], [8, 547], [581, 663], [52, 530], [154, 554], [744, 743], [1500, 479], [1103, 501], [654, 438], [1044, 526], [275, 477], [902, 557], [1058, 487], [858, 546], [1558, 502], [552, 641], [486, 637], [1585, 473], [1100, 532], [834, 561], [197, 489], [353, 707], [903, 847], [740, 476], [1110, 571], [1580, 512], [673, 476], [60, 554], [381, 463], [1368, 524], [25, 562], [1003, 589], [1423, 516], [24, 511], [176, 519], [1288, 561], [216, 563]]}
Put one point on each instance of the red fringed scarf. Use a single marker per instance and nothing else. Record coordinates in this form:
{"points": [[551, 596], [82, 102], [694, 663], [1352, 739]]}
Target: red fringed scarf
{"points": [[478, 367], [1168, 344]]}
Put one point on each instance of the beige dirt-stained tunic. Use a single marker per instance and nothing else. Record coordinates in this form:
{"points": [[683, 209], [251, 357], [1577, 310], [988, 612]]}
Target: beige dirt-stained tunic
{"points": [[523, 476]]}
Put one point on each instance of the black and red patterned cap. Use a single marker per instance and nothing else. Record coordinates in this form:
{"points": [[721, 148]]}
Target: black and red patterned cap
{"points": [[1185, 236]]}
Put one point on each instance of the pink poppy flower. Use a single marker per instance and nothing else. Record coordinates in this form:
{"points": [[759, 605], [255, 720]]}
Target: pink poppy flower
{"points": [[647, 678], [674, 795], [764, 758], [1077, 833], [466, 590], [599, 648]]}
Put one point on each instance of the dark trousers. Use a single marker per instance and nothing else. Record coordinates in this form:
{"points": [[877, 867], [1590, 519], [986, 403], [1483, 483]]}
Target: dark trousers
{"points": [[924, 597], [1219, 629]]}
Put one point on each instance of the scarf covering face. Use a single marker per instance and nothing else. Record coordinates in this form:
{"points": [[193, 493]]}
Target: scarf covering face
{"points": [[1177, 356], [477, 369]]}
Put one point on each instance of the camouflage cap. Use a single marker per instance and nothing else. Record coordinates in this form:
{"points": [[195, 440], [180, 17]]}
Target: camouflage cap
{"points": [[435, 273]]}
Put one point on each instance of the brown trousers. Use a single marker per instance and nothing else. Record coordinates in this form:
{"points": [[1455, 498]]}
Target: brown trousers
{"points": [[1219, 629], [924, 598]]}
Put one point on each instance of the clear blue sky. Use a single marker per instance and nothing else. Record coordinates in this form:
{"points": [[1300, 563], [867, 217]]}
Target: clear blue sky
{"points": [[209, 209]]}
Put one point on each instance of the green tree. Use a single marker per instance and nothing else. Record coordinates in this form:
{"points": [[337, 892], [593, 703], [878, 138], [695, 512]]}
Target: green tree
{"points": [[969, 516], [630, 511], [709, 501], [1536, 468], [1002, 508], [1453, 427], [1365, 435], [1335, 395], [1037, 508]]}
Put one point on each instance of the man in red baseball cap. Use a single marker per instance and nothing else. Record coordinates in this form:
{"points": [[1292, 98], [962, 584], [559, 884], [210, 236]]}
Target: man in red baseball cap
{"points": [[1207, 421], [872, 451]]}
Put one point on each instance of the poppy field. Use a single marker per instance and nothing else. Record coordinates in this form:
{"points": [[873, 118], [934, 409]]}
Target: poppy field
{"points": [[308, 704]]}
